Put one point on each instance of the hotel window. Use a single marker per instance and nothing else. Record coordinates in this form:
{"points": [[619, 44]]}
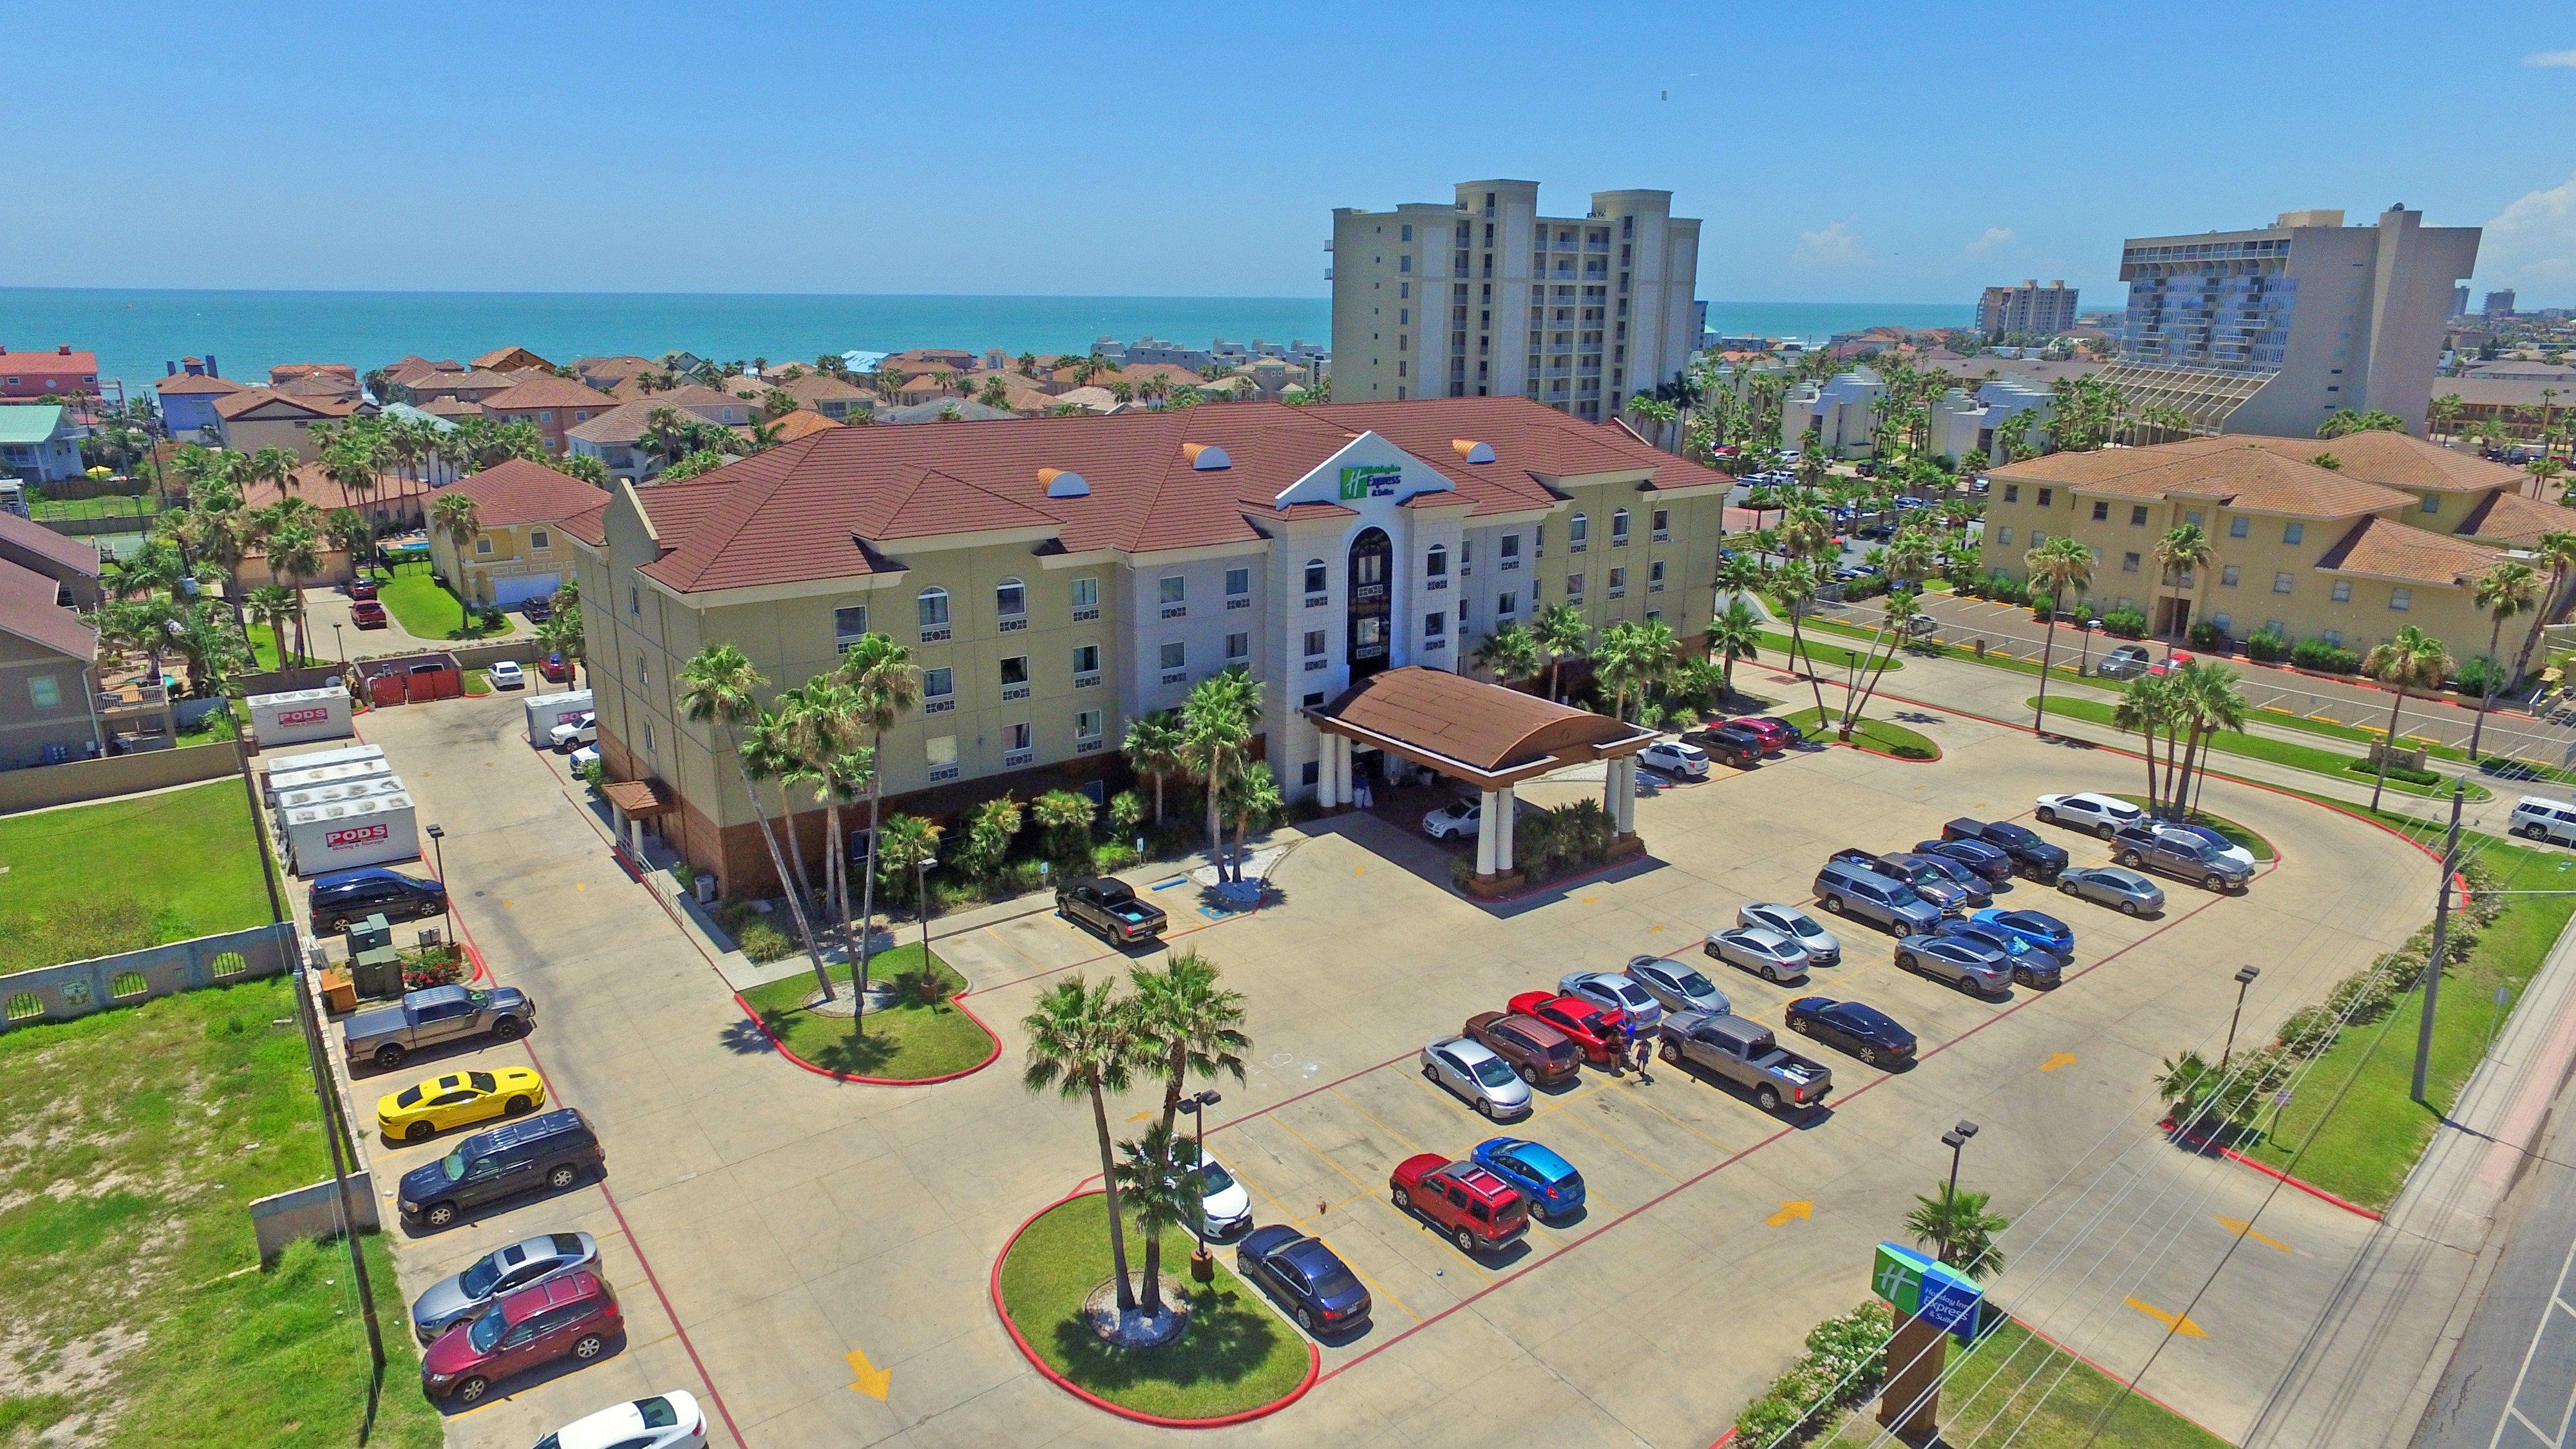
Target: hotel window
{"points": [[1663, 523], [934, 608], [2401, 599], [2012, 493], [1435, 563], [1015, 672], [2225, 624], [2191, 516], [2239, 527], [2128, 563], [1574, 587], [2432, 504], [2046, 495], [2101, 512], [1619, 529], [1176, 655], [2293, 532], [539, 541], [1578, 533], [849, 623], [1507, 605], [482, 546], [1314, 643], [938, 683], [2334, 638], [1017, 738], [634, 600], [1238, 647], [1314, 576], [1086, 724], [1511, 551], [2228, 575], [2276, 627], [1435, 626], [1011, 599], [2137, 515], [1086, 593], [1654, 576], [2342, 592], [1172, 589], [1238, 584], [2280, 583], [2003, 537]]}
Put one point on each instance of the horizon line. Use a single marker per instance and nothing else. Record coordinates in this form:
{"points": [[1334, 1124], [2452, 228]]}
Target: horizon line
{"points": [[976, 296]]}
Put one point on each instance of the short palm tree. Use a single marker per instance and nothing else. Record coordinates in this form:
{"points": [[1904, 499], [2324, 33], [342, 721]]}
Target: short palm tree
{"points": [[294, 555], [2504, 591], [719, 686], [2184, 549], [1958, 1224], [1082, 1041], [1158, 1186], [2557, 548], [1509, 654], [273, 605], [1253, 796], [1218, 721], [1735, 633], [1153, 747], [2414, 660], [884, 687], [1560, 633], [906, 846], [2055, 567]]}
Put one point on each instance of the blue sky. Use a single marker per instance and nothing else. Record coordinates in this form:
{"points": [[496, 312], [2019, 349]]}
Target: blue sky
{"points": [[1880, 152]]}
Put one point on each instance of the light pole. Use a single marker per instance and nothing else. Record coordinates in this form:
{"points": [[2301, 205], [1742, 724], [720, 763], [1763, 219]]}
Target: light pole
{"points": [[2086, 665], [339, 645], [1955, 1139], [446, 897], [1202, 1267], [2244, 977]]}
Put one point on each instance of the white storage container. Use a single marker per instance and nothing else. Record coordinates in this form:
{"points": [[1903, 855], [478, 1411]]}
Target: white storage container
{"points": [[284, 782], [298, 715], [548, 710], [343, 834], [284, 765], [324, 794]]}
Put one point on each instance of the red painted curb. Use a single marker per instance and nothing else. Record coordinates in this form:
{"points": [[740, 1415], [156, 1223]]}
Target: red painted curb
{"points": [[2034, 1332], [958, 1000], [2199, 1141], [1314, 1356]]}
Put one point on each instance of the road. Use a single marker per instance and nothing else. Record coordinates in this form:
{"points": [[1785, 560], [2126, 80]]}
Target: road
{"points": [[2512, 1384]]}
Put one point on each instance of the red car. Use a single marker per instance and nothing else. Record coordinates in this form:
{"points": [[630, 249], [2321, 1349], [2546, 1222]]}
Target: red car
{"points": [[1478, 1210], [367, 614], [573, 1316], [362, 588], [554, 667], [1599, 1032], [2172, 661], [1776, 734]]}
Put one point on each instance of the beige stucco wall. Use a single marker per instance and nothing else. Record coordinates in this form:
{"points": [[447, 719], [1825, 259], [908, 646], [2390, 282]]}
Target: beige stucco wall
{"points": [[25, 729], [517, 548]]}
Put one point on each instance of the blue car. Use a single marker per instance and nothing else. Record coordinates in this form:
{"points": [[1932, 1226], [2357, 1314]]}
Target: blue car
{"points": [[2039, 928], [1317, 1287], [2031, 966], [1550, 1182]]}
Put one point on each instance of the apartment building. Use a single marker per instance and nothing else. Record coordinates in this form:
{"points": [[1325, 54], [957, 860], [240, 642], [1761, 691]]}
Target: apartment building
{"points": [[554, 406], [1484, 297], [263, 417], [28, 376], [2274, 330], [1058, 577], [2397, 533], [518, 551], [2029, 309]]}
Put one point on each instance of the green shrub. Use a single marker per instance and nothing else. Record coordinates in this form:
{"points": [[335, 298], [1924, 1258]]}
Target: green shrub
{"points": [[2209, 637], [2309, 1031], [762, 941], [2266, 647], [2482, 675], [1112, 856], [1844, 1365], [2125, 624], [2003, 588], [2324, 658], [2396, 772]]}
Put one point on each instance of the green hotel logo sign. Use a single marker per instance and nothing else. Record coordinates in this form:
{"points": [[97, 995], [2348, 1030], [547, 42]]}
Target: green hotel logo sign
{"points": [[1374, 480]]}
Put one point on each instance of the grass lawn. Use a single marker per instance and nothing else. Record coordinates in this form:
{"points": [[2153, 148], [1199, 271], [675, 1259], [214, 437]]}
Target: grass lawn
{"points": [[423, 604], [2364, 1150], [2008, 1387], [2287, 720], [2065, 664], [1236, 1354], [140, 507], [2263, 747], [94, 880], [906, 1042], [142, 1136], [2254, 844], [213, 729], [1827, 655], [1876, 734]]}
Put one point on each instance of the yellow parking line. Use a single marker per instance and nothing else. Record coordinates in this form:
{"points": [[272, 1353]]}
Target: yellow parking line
{"points": [[1328, 1158], [1382, 1127], [1678, 1122], [1606, 1137], [1375, 1288]]}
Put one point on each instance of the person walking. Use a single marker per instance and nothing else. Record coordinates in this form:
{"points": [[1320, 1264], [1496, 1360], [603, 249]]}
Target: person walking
{"points": [[1645, 1045]]}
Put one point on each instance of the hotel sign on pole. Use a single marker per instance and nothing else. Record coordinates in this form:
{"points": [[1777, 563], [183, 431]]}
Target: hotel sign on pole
{"points": [[1920, 1287], [1375, 480]]}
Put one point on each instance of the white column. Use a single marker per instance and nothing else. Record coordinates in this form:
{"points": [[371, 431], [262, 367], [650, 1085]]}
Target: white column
{"points": [[1508, 805], [1627, 815], [635, 835], [1486, 833], [1337, 770], [1611, 780]]}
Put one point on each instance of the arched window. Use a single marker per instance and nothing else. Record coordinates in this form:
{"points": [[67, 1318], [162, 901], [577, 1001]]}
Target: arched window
{"points": [[934, 608], [1619, 528], [1578, 530], [1435, 564], [1010, 598], [1315, 576]]}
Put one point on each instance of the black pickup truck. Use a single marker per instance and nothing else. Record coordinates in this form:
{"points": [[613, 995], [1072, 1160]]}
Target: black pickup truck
{"points": [[1109, 907], [2033, 856]]}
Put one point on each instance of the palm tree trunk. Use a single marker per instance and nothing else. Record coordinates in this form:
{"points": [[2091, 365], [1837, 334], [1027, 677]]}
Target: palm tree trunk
{"points": [[868, 887], [2387, 747], [2181, 783], [1109, 1190], [1798, 646], [2154, 781], [2486, 701], [2048, 651], [1216, 830], [1158, 801], [778, 863], [1886, 660], [796, 851]]}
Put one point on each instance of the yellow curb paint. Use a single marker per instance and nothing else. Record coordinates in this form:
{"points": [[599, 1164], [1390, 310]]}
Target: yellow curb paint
{"points": [[2178, 1322], [2244, 1229], [1798, 1210], [867, 1378]]}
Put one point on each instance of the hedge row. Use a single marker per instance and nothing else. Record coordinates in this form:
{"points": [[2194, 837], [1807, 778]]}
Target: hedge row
{"points": [[1844, 1365]]}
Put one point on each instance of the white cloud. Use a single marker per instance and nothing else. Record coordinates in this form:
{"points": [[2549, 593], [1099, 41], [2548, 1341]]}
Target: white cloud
{"points": [[2531, 245], [1835, 246], [2551, 60], [1995, 239]]}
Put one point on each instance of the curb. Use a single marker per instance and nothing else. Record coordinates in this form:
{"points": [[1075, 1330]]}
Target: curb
{"points": [[1884, 755], [958, 1000], [2026, 1326], [2201, 1143], [1314, 1356]]}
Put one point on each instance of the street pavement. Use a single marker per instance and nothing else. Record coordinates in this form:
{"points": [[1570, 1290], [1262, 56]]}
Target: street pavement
{"points": [[2512, 1384]]}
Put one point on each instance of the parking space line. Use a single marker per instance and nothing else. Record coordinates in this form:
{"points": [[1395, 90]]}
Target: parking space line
{"points": [[1329, 1160], [1678, 1122], [1606, 1137], [1376, 1289], [1382, 1127]]}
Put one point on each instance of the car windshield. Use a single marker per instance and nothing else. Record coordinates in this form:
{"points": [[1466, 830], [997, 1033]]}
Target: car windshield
{"points": [[480, 1278], [1687, 752], [487, 1330], [2014, 834], [1213, 1178], [657, 1412], [1492, 1072], [452, 1166]]}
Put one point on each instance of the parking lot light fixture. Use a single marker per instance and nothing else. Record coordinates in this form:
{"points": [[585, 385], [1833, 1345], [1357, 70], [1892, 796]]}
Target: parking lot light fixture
{"points": [[2244, 977], [1202, 1265], [1955, 1139], [447, 898]]}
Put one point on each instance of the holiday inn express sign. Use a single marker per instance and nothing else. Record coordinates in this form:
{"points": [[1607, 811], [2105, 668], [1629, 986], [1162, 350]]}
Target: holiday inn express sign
{"points": [[1375, 480], [1920, 1287]]}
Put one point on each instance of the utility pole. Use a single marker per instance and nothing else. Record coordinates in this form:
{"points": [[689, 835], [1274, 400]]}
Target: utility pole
{"points": [[2441, 943]]}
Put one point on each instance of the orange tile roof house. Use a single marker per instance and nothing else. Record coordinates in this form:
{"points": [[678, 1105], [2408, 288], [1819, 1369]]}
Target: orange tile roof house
{"points": [[340, 374], [517, 552], [800, 424], [828, 395], [512, 359], [605, 373], [27, 376], [263, 417], [188, 400], [614, 437], [554, 405], [469, 386]]}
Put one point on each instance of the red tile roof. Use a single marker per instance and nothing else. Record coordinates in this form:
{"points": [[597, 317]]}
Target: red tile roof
{"points": [[548, 392], [233, 405], [2239, 471], [49, 364], [2388, 549], [519, 491], [195, 385], [804, 422], [2399, 461], [2509, 517]]}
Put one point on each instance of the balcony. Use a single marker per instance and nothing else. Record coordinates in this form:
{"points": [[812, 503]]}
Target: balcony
{"points": [[1085, 616], [940, 635], [939, 704], [1016, 759], [1088, 679], [1014, 691], [1013, 623]]}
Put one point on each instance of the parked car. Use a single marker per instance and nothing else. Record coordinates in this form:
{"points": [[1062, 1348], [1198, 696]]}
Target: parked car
{"points": [[2031, 965], [1109, 907], [1678, 759], [2173, 660], [1776, 734], [1732, 743], [367, 614], [1846, 889], [588, 755], [342, 896], [1550, 1183], [665, 1421], [1864, 1031], [1453, 820], [538, 610], [2537, 817], [555, 667], [2039, 928], [2032, 854], [2109, 885], [581, 729], [505, 674], [550, 1150], [1766, 953], [1539, 1053], [1477, 1076], [385, 1035], [1475, 1208], [1744, 1052], [1823, 947], [1317, 1287], [573, 1317], [460, 1099], [496, 1275], [2085, 810], [1225, 1206], [1676, 985], [1964, 964], [1617, 992], [362, 587], [2171, 852], [1992, 864], [1937, 887], [1924, 870], [1596, 1033], [2218, 844], [2126, 661]]}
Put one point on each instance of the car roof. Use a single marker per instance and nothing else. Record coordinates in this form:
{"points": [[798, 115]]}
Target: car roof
{"points": [[1865, 1012], [1268, 1238], [1311, 1255], [1762, 935], [1477, 1179], [360, 873], [534, 1299], [1536, 1156]]}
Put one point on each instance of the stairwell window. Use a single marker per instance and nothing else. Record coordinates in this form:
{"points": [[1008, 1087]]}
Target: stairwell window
{"points": [[2280, 583], [2401, 599], [1315, 576], [2342, 591], [2293, 532], [2101, 513], [1435, 563]]}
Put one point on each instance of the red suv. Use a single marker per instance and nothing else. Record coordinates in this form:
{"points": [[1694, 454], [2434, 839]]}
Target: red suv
{"points": [[1776, 734], [573, 1316], [362, 587], [1480, 1211], [1599, 1032]]}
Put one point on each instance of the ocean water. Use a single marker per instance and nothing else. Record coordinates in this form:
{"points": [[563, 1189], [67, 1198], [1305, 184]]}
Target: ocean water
{"points": [[136, 332]]}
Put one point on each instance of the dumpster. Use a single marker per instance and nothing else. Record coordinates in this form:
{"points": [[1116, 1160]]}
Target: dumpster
{"points": [[296, 716]]}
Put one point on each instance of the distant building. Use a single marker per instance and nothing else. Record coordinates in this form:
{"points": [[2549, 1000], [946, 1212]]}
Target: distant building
{"points": [[1842, 411], [513, 359], [2274, 330], [26, 376], [263, 417], [517, 552], [315, 379], [2030, 309], [188, 398], [1484, 296], [553, 405], [2460, 300], [2499, 303], [1977, 427], [49, 660], [38, 442]]}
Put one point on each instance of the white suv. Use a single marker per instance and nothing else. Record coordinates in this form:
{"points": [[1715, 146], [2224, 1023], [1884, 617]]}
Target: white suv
{"points": [[2101, 814], [2538, 818], [1675, 759], [1458, 817]]}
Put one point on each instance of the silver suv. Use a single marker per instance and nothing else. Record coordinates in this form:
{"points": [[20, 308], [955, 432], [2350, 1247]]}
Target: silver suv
{"points": [[2539, 818], [1847, 889]]}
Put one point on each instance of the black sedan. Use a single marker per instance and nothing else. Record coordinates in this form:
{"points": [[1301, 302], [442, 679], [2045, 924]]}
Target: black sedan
{"points": [[1994, 865], [1864, 1031], [1316, 1286]]}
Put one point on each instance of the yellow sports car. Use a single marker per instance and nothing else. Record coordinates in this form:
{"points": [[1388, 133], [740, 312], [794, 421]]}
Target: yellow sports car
{"points": [[418, 1112]]}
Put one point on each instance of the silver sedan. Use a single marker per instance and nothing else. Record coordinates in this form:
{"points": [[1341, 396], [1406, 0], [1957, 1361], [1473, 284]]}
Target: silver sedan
{"points": [[2110, 885], [1481, 1079], [1677, 985], [1614, 992], [1766, 953], [504, 1271], [1823, 948]]}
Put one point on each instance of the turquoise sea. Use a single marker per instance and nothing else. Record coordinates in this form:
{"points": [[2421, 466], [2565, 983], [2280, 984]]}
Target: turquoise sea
{"points": [[136, 332]]}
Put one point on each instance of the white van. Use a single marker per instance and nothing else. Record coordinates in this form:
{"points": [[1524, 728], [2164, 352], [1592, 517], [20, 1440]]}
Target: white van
{"points": [[2535, 818]]}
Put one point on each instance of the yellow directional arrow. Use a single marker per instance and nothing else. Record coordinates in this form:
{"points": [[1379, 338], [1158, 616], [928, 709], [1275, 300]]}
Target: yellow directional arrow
{"points": [[1790, 1212], [869, 1379], [2179, 1323], [2244, 1229], [1141, 1116], [2056, 1060]]}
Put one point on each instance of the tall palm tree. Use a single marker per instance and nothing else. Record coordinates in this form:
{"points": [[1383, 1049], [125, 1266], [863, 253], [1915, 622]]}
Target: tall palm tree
{"points": [[1509, 654], [1186, 1024], [1958, 1223], [294, 555], [1900, 611], [1218, 720], [273, 605], [455, 517], [824, 731], [2146, 705], [2057, 566], [1734, 634], [770, 748], [2510, 588], [719, 686], [2557, 548], [1795, 585], [1559, 630], [2206, 701], [2183, 549], [1159, 1186], [2411, 661], [1082, 1040], [1153, 747], [884, 688]]}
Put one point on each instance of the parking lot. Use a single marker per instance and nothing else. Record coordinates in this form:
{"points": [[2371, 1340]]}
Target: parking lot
{"points": [[789, 1222]]}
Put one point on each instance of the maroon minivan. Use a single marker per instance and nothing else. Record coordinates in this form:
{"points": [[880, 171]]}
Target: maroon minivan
{"points": [[573, 1316]]}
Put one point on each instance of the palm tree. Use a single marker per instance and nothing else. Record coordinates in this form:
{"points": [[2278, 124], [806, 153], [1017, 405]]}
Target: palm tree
{"points": [[2146, 706], [350, 533], [1734, 634], [770, 747], [1186, 1023], [823, 730], [294, 555], [562, 634], [2184, 548], [1964, 1231], [2413, 660], [906, 844], [1153, 747], [2206, 701], [1796, 584], [455, 517], [885, 686], [1254, 795], [1900, 611], [1082, 1039], [2510, 588], [2056, 566], [719, 686], [1218, 721], [273, 605], [1161, 1191], [1559, 631], [2558, 548], [1509, 654], [1636, 659]]}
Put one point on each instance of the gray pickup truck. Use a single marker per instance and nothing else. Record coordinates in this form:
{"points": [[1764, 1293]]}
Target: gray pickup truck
{"points": [[2174, 853], [1744, 1053], [1109, 906], [432, 1017]]}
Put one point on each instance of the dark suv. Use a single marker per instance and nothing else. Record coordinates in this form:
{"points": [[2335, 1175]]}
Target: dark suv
{"points": [[550, 1151], [1734, 743], [353, 895], [1540, 1053]]}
